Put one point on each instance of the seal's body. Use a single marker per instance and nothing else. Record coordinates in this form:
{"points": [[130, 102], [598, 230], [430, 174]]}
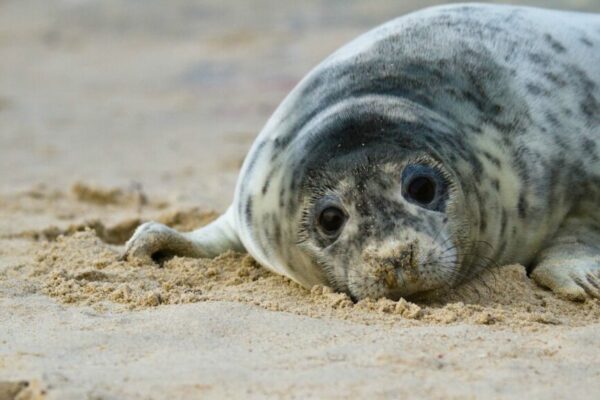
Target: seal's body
{"points": [[422, 152]]}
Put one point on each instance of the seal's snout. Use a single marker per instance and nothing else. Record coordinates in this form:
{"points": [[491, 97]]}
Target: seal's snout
{"points": [[389, 262], [404, 257]]}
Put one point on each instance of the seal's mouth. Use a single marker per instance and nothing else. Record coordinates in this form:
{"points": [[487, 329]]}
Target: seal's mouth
{"points": [[422, 267], [395, 268]]}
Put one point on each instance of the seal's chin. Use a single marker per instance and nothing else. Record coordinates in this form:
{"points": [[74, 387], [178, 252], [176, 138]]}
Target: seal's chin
{"points": [[419, 296], [376, 291]]}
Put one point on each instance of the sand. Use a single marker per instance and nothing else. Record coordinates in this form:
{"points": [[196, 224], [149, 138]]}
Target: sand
{"points": [[139, 114], [80, 265]]}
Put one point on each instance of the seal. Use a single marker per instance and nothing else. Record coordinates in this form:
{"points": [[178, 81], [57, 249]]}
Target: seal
{"points": [[422, 153]]}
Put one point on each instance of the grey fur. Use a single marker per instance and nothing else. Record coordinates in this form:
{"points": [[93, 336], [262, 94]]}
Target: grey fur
{"points": [[502, 103]]}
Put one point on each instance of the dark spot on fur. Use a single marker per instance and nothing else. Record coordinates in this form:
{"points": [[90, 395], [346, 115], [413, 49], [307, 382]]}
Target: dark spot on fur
{"points": [[555, 79], [494, 160], [278, 234], [586, 41], [554, 44], [522, 206], [268, 179], [248, 210], [496, 109], [540, 59], [589, 147], [536, 90], [503, 222], [552, 119], [281, 197], [496, 184]]}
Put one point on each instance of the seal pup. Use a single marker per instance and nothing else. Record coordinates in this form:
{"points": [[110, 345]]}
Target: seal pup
{"points": [[423, 152]]}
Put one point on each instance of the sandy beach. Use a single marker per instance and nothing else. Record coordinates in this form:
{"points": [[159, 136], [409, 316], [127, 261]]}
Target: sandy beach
{"points": [[113, 113]]}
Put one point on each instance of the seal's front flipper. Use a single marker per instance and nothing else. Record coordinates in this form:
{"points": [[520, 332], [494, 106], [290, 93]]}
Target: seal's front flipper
{"points": [[570, 265], [153, 241]]}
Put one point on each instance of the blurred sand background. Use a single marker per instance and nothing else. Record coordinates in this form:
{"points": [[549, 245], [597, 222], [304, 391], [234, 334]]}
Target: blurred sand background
{"points": [[114, 112]]}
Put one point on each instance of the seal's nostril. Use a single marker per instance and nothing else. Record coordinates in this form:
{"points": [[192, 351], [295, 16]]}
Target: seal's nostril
{"points": [[390, 279], [406, 258]]}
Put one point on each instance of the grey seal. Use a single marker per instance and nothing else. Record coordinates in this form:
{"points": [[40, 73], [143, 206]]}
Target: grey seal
{"points": [[422, 153]]}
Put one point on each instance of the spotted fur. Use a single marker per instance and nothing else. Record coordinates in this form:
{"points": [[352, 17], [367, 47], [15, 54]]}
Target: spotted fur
{"points": [[503, 102]]}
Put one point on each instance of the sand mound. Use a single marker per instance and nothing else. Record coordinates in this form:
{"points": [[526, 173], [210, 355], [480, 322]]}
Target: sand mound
{"points": [[78, 263], [81, 268], [118, 233]]}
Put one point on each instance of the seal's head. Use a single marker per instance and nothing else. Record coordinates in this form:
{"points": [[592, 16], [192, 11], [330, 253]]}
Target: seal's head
{"points": [[383, 226], [362, 177], [366, 200], [382, 218]]}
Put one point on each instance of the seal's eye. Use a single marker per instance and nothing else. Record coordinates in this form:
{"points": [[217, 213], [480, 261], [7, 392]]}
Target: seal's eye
{"points": [[425, 186], [421, 189], [331, 220]]}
